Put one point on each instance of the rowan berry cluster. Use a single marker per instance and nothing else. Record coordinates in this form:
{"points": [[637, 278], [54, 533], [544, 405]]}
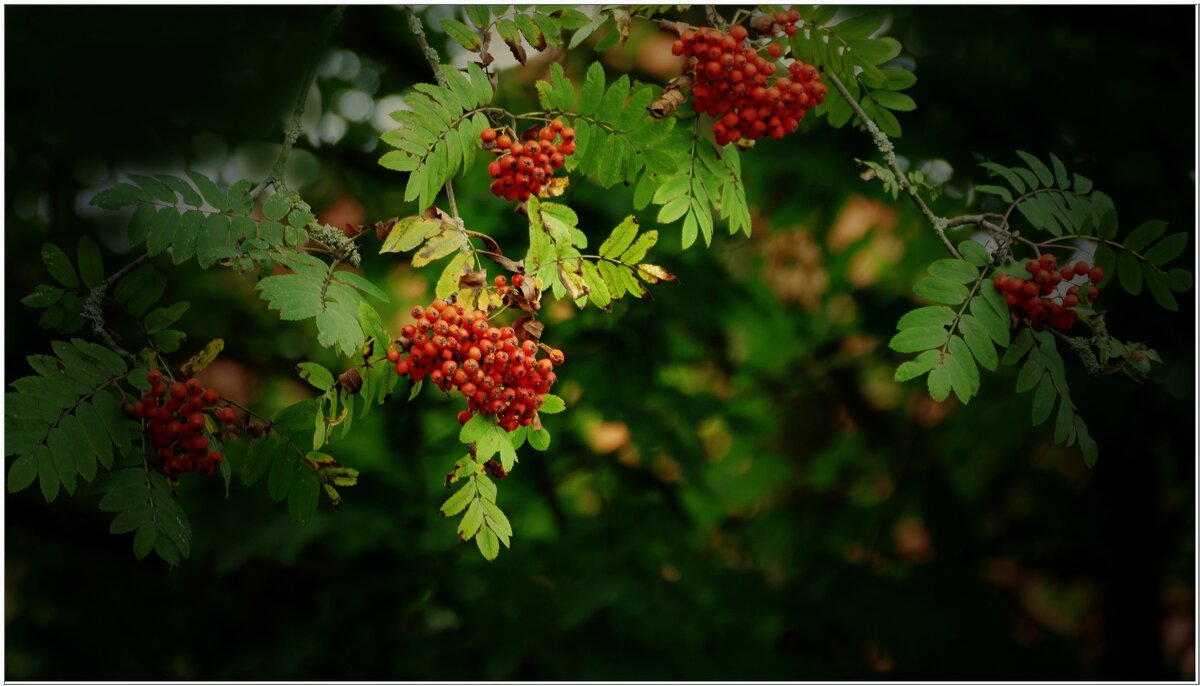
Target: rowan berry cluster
{"points": [[525, 167], [732, 83], [1025, 296], [769, 24], [499, 374], [176, 419]]}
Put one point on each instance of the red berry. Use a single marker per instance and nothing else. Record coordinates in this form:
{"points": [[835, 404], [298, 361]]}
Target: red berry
{"points": [[196, 422], [227, 415], [488, 135], [1081, 268], [774, 50], [210, 397], [1096, 275]]}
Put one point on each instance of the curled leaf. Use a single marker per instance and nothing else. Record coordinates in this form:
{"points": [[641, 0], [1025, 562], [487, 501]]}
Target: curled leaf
{"points": [[652, 273], [196, 363]]}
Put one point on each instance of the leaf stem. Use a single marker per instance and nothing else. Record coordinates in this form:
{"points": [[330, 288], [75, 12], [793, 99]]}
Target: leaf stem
{"points": [[93, 313], [294, 126], [884, 144]]}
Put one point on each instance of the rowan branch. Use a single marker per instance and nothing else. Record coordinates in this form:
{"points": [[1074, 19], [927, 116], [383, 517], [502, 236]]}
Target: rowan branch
{"points": [[93, 313], [884, 144], [294, 126]]}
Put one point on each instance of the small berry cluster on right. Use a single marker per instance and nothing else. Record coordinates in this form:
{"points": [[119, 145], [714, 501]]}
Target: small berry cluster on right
{"points": [[1025, 300], [499, 374], [732, 84], [525, 167], [176, 420]]}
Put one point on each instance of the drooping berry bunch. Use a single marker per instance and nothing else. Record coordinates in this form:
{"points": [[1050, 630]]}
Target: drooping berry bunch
{"points": [[732, 83], [773, 24], [525, 167], [176, 421], [499, 374], [1039, 300]]}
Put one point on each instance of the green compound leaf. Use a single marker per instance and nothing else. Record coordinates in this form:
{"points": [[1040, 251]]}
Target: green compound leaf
{"points": [[941, 290]]}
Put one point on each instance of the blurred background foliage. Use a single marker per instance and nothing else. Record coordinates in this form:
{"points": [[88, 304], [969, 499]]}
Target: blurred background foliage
{"points": [[738, 490]]}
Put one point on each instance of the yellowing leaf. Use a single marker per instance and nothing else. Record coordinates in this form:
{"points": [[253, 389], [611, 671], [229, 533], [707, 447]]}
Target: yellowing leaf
{"points": [[203, 358], [408, 233], [652, 273], [572, 279], [449, 281], [556, 187], [438, 246]]}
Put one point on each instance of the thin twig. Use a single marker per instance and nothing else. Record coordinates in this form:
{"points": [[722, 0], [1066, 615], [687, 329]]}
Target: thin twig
{"points": [[884, 144], [294, 126], [93, 313], [418, 31]]}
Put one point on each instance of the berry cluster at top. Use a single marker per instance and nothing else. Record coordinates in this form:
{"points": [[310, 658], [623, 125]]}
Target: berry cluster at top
{"points": [[176, 420], [525, 167], [732, 83], [1024, 296], [499, 374], [773, 24]]}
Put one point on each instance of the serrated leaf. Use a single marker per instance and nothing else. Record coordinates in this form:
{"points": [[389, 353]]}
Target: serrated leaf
{"points": [[960, 365], [957, 271], [1000, 191], [279, 479], [43, 296], [980, 343], [1167, 249], [1129, 273], [1064, 424], [91, 267], [144, 540], [1039, 168], [941, 290], [652, 273], [916, 367], [315, 374], [212, 194], [894, 100], [620, 239], [1008, 175], [59, 265], [1144, 235], [461, 33], [458, 501], [939, 382], [1043, 400], [489, 545], [918, 338], [22, 473], [933, 315], [163, 317], [304, 494], [438, 246], [448, 282], [974, 253], [1160, 289], [1060, 172], [471, 521], [1179, 280], [552, 404], [598, 291], [1030, 373]]}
